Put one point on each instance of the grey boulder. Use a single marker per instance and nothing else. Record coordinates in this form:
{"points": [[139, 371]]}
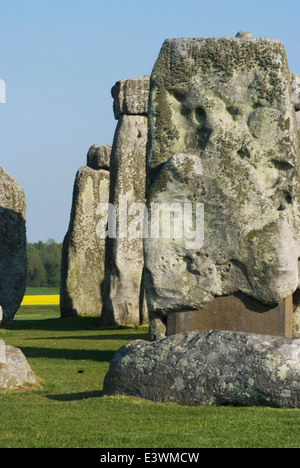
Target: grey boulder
{"points": [[209, 368], [15, 372]]}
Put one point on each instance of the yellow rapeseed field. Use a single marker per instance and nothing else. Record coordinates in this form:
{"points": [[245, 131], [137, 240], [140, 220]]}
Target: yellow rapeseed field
{"points": [[41, 300]]}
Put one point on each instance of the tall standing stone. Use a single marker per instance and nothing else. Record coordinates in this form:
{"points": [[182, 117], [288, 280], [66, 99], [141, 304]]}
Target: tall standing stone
{"points": [[222, 135], [124, 304], [13, 258], [295, 79], [83, 254]]}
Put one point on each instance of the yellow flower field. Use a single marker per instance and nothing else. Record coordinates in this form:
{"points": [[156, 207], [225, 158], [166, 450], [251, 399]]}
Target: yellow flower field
{"points": [[41, 300]]}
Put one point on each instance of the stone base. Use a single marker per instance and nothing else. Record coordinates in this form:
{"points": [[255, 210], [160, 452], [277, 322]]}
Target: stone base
{"points": [[237, 313], [209, 368]]}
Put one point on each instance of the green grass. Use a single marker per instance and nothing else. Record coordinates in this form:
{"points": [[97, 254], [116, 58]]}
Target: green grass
{"points": [[71, 357], [41, 291]]}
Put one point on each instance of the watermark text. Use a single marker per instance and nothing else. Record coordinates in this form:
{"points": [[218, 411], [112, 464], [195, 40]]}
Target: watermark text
{"points": [[129, 220]]}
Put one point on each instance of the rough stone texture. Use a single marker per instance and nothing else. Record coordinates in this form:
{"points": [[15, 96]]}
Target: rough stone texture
{"points": [[83, 254], [124, 304], [98, 157], [296, 98], [222, 132], [245, 35], [209, 368], [131, 96], [13, 258], [296, 91], [15, 372], [296, 315], [298, 122]]}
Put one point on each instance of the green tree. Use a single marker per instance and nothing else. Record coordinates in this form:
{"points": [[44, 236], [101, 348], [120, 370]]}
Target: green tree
{"points": [[36, 273], [44, 261], [51, 257]]}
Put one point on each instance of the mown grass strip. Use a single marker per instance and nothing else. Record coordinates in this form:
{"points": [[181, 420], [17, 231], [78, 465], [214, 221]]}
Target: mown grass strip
{"points": [[71, 357]]}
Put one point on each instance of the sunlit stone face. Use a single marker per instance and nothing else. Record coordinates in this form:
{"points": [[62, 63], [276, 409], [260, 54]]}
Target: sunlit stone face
{"points": [[223, 133]]}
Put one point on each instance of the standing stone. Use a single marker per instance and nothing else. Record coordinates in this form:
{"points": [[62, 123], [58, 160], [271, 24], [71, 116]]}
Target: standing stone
{"points": [[223, 138], [13, 258], [83, 254], [124, 302], [295, 79]]}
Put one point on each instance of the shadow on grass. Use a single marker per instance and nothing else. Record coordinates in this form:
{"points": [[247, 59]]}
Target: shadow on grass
{"points": [[75, 323], [75, 396], [69, 354], [107, 336], [54, 324]]}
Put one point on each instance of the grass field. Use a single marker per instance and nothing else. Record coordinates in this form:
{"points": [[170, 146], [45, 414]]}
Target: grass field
{"points": [[41, 291], [71, 357]]}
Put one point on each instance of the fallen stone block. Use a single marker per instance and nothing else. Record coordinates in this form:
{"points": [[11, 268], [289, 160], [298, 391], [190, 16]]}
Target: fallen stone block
{"points": [[209, 368]]}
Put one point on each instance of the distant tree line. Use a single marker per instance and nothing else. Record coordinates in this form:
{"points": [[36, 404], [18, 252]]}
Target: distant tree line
{"points": [[44, 261]]}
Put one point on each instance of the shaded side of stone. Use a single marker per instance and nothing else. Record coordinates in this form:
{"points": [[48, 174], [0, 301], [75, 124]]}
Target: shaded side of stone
{"points": [[98, 157], [13, 257]]}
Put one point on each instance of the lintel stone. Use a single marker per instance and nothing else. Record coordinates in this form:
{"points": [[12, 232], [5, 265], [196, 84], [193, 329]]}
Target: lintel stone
{"points": [[131, 96]]}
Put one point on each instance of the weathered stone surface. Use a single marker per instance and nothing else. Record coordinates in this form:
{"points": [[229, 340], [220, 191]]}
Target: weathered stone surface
{"points": [[13, 259], [298, 122], [83, 255], [296, 315], [209, 368], [131, 96], [98, 157], [124, 304], [245, 35], [15, 372], [296, 91], [222, 133]]}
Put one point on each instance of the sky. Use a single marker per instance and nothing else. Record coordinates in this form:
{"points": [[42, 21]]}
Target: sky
{"points": [[59, 60]]}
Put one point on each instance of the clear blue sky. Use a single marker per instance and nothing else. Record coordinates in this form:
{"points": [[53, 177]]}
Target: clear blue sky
{"points": [[59, 60]]}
